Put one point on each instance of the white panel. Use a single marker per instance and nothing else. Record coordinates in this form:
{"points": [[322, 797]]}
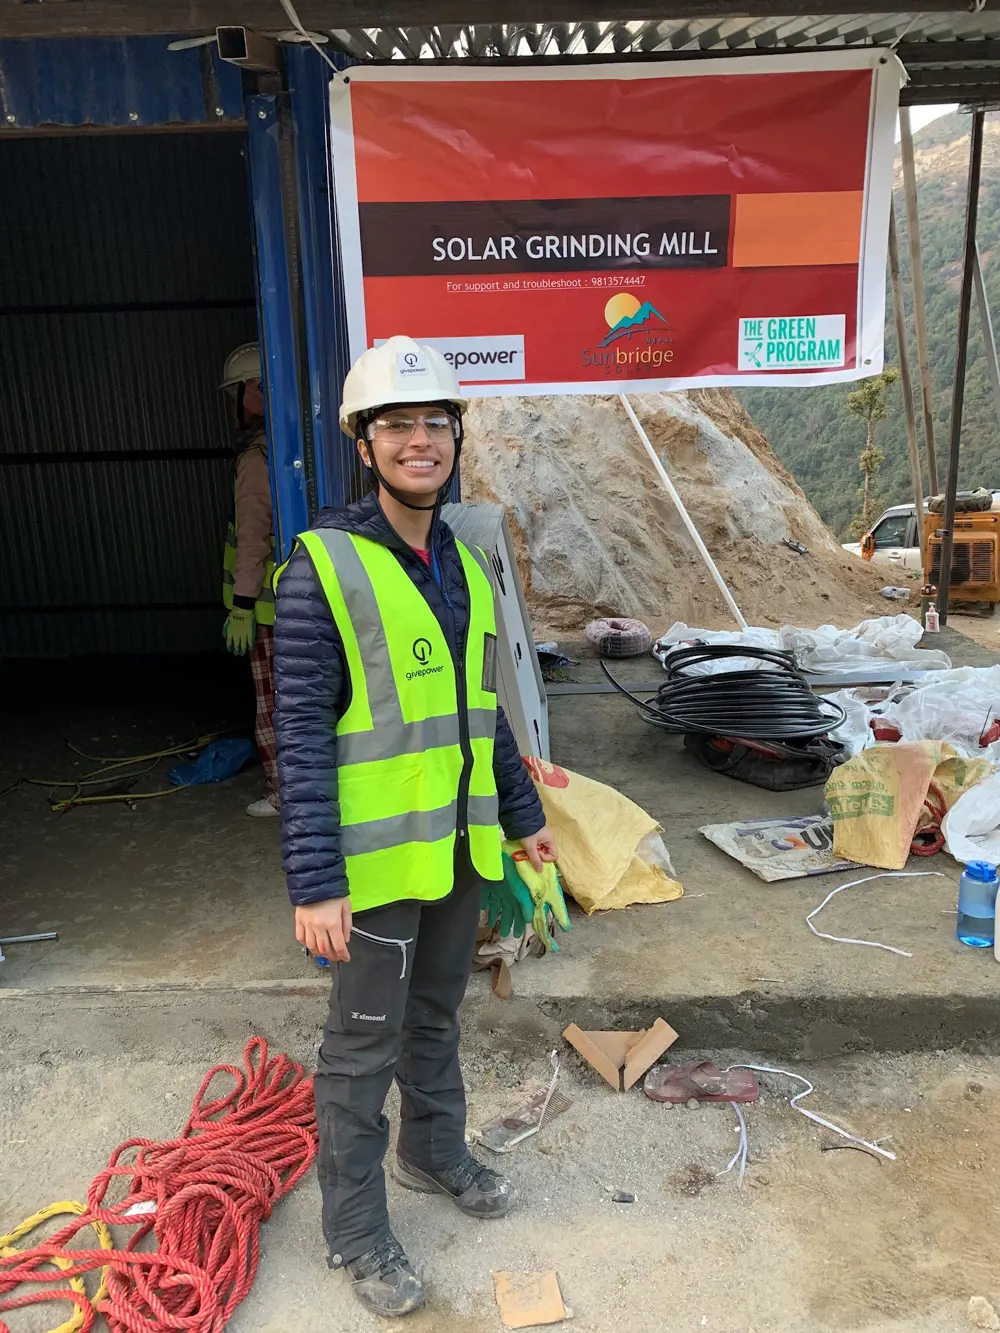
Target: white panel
{"points": [[520, 688]]}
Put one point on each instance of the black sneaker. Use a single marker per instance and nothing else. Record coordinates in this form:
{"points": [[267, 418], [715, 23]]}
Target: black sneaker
{"points": [[384, 1281], [472, 1187]]}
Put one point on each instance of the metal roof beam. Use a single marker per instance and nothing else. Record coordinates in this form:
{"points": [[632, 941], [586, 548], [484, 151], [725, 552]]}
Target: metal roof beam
{"points": [[956, 80], [979, 88], [913, 54], [83, 18]]}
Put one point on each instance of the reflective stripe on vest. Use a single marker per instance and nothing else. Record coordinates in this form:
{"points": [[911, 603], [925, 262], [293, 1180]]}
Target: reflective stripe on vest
{"points": [[264, 606], [400, 761]]}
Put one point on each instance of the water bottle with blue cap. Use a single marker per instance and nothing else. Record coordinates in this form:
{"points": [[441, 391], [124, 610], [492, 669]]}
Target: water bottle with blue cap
{"points": [[977, 898]]}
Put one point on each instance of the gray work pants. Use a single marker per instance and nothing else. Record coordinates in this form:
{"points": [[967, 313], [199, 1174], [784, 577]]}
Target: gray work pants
{"points": [[393, 1014]]}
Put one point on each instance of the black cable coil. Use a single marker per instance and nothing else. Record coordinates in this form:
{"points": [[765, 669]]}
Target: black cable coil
{"points": [[770, 703]]}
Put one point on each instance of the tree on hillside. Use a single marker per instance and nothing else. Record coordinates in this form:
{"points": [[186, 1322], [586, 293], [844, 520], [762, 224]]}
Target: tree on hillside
{"points": [[868, 403], [809, 430]]}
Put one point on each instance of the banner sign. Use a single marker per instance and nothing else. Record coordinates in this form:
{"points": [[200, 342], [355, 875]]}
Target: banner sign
{"points": [[604, 228]]}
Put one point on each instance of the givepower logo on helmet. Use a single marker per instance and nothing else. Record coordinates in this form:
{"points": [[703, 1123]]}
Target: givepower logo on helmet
{"points": [[423, 652], [411, 363]]}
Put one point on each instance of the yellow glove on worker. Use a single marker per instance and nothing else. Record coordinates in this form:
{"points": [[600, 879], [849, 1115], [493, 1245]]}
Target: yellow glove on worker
{"points": [[240, 631], [546, 893]]}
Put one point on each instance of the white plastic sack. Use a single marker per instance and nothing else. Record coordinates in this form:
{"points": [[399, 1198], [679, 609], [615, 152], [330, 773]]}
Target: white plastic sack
{"points": [[885, 641], [955, 706], [854, 731], [972, 826], [680, 635]]}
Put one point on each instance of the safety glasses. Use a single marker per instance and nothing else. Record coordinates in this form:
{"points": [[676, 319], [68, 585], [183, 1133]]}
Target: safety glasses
{"points": [[399, 429]]}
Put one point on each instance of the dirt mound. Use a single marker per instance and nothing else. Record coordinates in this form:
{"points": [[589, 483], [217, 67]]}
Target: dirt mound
{"points": [[596, 534]]}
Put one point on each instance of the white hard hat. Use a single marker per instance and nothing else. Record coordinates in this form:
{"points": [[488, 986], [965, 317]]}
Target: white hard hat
{"points": [[242, 364], [400, 371]]}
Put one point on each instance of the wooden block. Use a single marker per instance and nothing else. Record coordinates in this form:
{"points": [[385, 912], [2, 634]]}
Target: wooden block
{"points": [[611, 1053], [647, 1050], [608, 1068], [615, 1045], [529, 1299]]}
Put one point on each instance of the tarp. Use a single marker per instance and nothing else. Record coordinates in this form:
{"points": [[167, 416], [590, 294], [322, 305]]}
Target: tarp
{"points": [[573, 229]]}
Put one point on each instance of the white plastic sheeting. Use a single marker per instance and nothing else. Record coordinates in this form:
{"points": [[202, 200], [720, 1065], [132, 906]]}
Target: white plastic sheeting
{"points": [[958, 706], [885, 641], [972, 826]]}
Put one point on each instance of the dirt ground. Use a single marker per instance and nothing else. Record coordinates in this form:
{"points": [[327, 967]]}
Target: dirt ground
{"points": [[984, 630], [596, 534], [815, 1240], [185, 893]]}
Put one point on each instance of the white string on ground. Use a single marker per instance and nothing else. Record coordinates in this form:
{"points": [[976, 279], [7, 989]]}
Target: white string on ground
{"points": [[740, 1155], [811, 1115], [871, 944]]}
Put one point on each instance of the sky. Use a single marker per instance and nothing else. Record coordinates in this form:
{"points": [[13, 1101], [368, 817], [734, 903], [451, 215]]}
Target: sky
{"points": [[923, 115]]}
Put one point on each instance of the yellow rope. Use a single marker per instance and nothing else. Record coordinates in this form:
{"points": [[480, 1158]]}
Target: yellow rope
{"points": [[67, 1207], [106, 773]]}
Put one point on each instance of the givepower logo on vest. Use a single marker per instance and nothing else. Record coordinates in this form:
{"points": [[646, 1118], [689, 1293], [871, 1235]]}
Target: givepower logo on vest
{"points": [[423, 652]]}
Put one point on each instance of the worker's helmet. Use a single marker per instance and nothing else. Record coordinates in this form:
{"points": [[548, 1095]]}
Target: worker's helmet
{"points": [[242, 364], [400, 371]]}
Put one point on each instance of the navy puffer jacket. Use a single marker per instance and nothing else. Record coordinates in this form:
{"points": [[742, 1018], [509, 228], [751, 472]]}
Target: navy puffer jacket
{"points": [[313, 691]]}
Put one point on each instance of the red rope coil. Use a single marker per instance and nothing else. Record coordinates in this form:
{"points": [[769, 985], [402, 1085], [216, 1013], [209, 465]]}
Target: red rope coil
{"points": [[196, 1204], [929, 839]]}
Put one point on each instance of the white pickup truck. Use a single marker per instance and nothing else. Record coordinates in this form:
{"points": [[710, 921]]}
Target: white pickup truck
{"points": [[895, 537]]}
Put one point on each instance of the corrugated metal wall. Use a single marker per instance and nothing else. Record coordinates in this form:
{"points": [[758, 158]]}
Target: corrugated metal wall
{"points": [[126, 278], [125, 81]]}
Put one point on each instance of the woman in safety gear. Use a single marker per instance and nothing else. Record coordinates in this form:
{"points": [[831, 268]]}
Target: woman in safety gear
{"points": [[248, 563], [396, 767]]}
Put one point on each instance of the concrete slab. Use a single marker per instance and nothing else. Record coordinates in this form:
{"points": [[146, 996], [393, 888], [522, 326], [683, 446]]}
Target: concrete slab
{"points": [[185, 892], [733, 959], [184, 888]]}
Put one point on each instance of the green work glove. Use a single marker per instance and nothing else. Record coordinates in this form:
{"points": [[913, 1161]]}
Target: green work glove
{"points": [[546, 893], [508, 904], [240, 631]]}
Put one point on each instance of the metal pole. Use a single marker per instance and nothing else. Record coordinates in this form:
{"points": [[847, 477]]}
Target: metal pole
{"points": [[293, 254], [685, 516], [919, 307], [989, 342], [961, 355], [25, 939], [904, 380]]}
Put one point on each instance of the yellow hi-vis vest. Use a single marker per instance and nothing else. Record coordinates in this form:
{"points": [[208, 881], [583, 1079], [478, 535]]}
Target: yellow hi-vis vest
{"points": [[264, 606], [415, 745]]}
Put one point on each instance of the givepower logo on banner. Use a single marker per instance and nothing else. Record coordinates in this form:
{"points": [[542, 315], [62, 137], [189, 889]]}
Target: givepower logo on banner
{"points": [[475, 358], [423, 652], [638, 338]]}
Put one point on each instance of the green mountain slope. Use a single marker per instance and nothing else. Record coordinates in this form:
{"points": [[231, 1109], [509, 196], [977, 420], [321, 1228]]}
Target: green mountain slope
{"points": [[812, 431]]}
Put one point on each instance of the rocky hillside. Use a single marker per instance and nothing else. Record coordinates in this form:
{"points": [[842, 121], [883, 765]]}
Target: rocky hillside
{"points": [[811, 430], [596, 534]]}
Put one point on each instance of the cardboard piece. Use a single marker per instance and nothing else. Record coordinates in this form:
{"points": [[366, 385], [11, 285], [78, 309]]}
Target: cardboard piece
{"points": [[621, 1058], [529, 1299]]}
